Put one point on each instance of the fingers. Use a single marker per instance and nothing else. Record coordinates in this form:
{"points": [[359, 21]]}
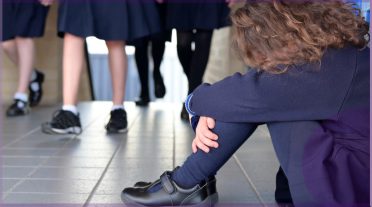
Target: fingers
{"points": [[211, 123], [208, 142], [207, 133], [193, 146], [201, 146]]}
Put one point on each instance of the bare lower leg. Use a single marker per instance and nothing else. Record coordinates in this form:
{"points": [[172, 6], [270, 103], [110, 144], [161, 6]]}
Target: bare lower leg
{"points": [[73, 57], [26, 59], [118, 68]]}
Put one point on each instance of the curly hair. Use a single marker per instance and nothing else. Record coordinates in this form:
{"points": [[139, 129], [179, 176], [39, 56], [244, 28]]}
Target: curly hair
{"points": [[269, 33]]}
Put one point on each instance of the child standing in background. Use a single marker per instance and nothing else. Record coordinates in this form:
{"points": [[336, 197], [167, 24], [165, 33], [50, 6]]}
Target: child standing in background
{"points": [[115, 21], [22, 22]]}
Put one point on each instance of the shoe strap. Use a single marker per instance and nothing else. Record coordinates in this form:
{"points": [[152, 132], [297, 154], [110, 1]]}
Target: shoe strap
{"points": [[166, 182]]}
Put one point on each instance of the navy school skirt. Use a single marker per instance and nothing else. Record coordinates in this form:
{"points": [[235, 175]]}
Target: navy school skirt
{"points": [[108, 20], [197, 14], [23, 19]]}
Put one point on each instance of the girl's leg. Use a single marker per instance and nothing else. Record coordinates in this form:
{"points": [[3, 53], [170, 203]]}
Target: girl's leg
{"points": [[26, 58], [199, 62], [184, 50], [201, 165], [142, 62], [10, 48], [118, 68], [73, 60], [158, 48]]}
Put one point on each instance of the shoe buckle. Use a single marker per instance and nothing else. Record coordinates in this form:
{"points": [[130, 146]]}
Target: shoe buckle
{"points": [[166, 183]]}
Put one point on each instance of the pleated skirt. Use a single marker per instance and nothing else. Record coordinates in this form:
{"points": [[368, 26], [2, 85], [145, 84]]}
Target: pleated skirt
{"points": [[23, 19], [108, 20]]}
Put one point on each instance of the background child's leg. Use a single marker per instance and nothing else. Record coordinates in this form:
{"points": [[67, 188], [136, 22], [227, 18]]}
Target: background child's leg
{"points": [[118, 68], [157, 51], [200, 58], [26, 58], [185, 53], [142, 62], [201, 165], [73, 59]]}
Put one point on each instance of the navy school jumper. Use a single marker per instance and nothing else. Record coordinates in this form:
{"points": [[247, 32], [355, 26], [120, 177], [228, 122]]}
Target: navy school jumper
{"points": [[318, 118]]}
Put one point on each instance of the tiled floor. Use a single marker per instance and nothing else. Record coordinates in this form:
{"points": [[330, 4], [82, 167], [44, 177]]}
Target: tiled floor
{"points": [[91, 169]]}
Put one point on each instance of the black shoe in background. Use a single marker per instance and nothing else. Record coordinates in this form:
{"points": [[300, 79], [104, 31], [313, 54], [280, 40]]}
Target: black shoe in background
{"points": [[118, 122], [36, 89], [143, 101], [184, 113], [159, 86], [63, 122], [18, 108]]}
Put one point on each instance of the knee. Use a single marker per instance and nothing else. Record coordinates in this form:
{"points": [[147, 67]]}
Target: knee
{"points": [[7, 45], [115, 44]]}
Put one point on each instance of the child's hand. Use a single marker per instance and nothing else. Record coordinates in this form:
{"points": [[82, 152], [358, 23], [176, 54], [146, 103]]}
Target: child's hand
{"points": [[204, 137], [46, 2]]}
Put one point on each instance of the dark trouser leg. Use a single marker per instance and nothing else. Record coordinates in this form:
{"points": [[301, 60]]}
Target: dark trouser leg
{"points": [[158, 47], [200, 58], [200, 165], [142, 62], [282, 192], [185, 53]]}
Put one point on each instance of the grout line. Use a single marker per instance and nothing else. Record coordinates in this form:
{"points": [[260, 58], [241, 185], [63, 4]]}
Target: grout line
{"points": [[5, 194], [249, 180], [22, 137], [92, 193]]}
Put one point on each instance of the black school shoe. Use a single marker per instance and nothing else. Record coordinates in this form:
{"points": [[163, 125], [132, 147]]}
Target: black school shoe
{"points": [[170, 195], [143, 101], [18, 108], [211, 187], [63, 122], [184, 113], [36, 95], [118, 122], [159, 87]]}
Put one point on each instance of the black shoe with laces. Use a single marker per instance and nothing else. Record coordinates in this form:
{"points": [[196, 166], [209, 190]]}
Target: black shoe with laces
{"points": [[118, 121], [18, 108], [36, 89], [63, 122]]}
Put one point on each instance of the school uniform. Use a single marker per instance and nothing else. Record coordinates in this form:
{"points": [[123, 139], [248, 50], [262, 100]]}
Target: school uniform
{"points": [[108, 20], [318, 118], [163, 34], [23, 19], [202, 14]]}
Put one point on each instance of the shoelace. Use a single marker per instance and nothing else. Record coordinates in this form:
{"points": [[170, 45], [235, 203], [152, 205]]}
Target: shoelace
{"points": [[62, 119]]}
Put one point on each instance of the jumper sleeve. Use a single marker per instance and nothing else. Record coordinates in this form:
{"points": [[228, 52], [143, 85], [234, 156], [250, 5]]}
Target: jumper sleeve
{"points": [[303, 93]]}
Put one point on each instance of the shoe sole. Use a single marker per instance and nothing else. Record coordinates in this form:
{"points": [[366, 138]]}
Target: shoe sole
{"points": [[120, 131], [207, 202], [46, 128]]}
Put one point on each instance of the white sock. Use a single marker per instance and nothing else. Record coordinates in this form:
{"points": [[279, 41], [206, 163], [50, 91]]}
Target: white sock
{"points": [[21, 96], [71, 108], [33, 75], [116, 107]]}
